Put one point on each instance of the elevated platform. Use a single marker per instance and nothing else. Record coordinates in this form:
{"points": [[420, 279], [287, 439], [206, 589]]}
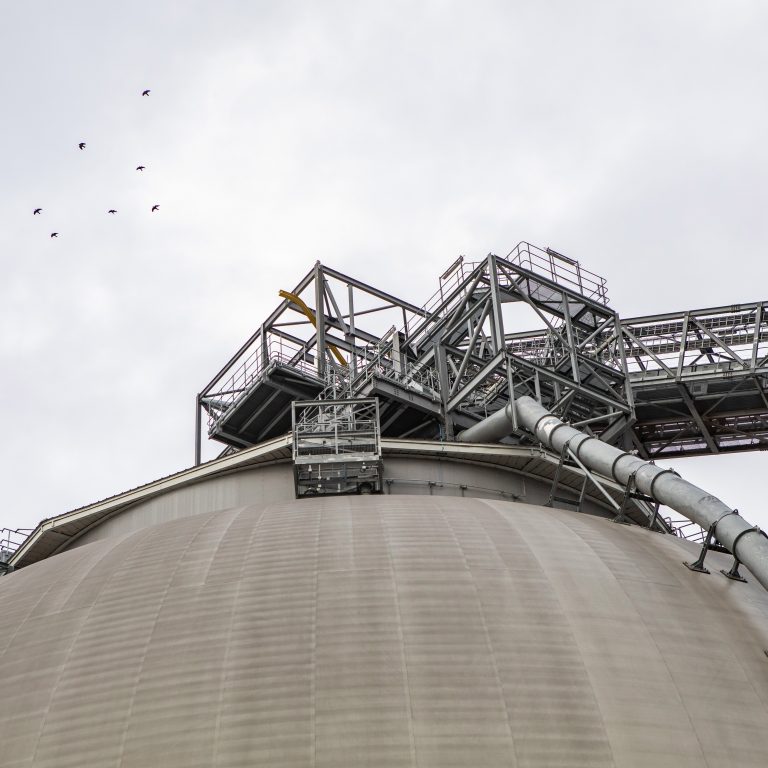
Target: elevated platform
{"points": [[263, 408], [699, 378], [337, 447], [675, 384]]}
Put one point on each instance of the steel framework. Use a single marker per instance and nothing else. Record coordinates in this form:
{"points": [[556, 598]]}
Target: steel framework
{"points": [[336, 447], [675, 384]]}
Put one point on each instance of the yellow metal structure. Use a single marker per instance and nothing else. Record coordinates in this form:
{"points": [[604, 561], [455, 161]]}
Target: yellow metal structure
{"points": [[298, 301]]}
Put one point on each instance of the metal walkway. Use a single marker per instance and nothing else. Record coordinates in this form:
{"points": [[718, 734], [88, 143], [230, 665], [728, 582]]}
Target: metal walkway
{"points": [[678, 384]]}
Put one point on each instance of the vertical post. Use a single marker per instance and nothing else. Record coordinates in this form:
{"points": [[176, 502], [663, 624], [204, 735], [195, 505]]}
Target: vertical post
{"points": [[497, 323], [353, 354], [511, 388], [629, 396], [571, 341], [397, 356], [442, 373], [683, 345], [198, 430], [756, 342], [264, 348], [320, 319]]}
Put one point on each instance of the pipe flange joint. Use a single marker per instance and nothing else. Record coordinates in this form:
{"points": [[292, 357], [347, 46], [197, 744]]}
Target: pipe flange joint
{"points": [[585, 439], [730, 512], [535, 429], [754, 529], [656, 477], [615, 462], [556, 424]]}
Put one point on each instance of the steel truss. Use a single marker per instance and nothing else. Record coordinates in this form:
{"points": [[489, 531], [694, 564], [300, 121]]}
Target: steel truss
{"points": [[673, 384], [698, 379]]}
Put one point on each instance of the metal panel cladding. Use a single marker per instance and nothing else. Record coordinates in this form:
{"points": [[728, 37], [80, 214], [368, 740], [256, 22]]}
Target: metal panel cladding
{"points": [[382, 631]]}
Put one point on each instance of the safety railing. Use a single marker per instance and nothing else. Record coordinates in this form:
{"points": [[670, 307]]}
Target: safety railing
{"points": [[446, 298], [717, 341], [325, 428], [686, 529], [449, 281], [380, 358], [560, 269], [236, 382], [417, 377], [10, 540], [336, 447]]}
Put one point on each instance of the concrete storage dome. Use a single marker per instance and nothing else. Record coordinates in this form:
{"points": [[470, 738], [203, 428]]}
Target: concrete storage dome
{"points": [[382, 631]]}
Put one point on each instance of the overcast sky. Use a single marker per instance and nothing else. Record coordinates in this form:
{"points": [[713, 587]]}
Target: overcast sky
{"points": [[383, 138]]}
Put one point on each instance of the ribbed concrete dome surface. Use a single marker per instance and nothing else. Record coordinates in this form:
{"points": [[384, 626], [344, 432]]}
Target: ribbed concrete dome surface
{"points": [[382, 631]]}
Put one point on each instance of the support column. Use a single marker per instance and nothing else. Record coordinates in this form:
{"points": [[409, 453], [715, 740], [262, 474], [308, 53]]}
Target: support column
{"points": [[497, 322], [442, 373], [320, 319], [198, 430]]}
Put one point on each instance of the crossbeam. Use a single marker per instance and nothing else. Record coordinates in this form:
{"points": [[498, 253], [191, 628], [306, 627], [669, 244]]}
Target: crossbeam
{"points": [[670, 384]]}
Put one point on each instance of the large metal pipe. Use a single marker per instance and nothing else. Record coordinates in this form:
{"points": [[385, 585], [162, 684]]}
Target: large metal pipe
{"points": [[497, 426], [747, 542]]}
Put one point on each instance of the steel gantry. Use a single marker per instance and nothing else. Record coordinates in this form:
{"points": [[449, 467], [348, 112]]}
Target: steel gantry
{"points": [[699, 379], [675, 384]]}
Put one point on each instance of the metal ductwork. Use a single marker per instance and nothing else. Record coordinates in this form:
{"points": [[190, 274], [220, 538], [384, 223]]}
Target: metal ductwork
{"points": [[747, 542]]}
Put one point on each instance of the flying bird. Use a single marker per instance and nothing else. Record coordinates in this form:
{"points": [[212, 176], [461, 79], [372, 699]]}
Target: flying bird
{"points": [[145, 93], [81, 145], [54, 234], [139, 167], [155, 207], [36, 211], [111, 210]]}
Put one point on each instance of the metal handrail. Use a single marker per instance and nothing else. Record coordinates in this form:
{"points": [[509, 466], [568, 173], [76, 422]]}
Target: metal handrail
{"points": [[335, 427], [382, 365], [250, 371], [560, 269], [377, 359], [10, 540]]}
